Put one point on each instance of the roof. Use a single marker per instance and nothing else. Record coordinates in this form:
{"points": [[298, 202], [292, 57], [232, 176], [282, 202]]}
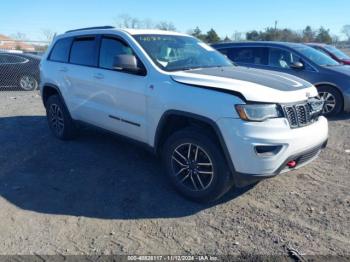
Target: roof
{"points": [[259, 43], [316, 44], [130, 31], [150, 32]]}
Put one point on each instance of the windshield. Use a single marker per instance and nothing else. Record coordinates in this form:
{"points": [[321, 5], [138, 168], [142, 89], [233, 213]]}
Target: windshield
{"points": [[317, 57], [175, 53], [339, 54]]}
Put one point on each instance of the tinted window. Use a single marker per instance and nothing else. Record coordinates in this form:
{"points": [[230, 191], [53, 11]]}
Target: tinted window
{"points": [[84, 51], [315, 56], [111, 48], [280, 58], [339, 54], [248, 55], [60, 52]]}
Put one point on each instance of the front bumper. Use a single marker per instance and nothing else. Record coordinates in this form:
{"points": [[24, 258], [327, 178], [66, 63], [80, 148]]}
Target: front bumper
{"points": [[242, 138]]}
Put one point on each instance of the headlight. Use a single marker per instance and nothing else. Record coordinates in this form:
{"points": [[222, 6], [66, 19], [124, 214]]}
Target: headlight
{"points": [[258, 112]]}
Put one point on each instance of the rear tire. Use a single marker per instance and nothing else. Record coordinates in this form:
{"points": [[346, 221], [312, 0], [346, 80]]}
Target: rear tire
{"points": [[333, 100], [196, 166], [60, 122], [28, 83]]}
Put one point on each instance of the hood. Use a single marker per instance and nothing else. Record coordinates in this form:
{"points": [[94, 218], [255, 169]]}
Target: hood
{"points": [[253, 84]]}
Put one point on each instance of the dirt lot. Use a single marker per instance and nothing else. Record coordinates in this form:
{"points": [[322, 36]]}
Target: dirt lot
{"points": [[100, 194]]}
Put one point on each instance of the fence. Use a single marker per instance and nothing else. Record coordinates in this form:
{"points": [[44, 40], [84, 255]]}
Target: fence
{"points": [[19, 64]]}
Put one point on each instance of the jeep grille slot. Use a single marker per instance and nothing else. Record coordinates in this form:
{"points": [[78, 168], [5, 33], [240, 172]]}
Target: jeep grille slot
{"points": [[302, 114]]}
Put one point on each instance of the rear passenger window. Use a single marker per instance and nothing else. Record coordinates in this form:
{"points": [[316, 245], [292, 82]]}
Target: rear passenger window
{"points": [[84, 51], [60, 52], [111, 48], [249, 55]]}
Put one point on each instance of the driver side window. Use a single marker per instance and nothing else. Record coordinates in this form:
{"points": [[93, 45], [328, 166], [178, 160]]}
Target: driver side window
{"points": [[111, 47], [281, 58]]}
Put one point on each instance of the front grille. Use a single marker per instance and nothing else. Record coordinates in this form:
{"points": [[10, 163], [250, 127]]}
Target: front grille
{"points": [[303, 114]]}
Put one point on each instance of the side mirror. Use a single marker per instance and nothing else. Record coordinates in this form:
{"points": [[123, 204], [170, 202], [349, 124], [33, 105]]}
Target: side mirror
{"points": [[126, 63], [297, 65]]}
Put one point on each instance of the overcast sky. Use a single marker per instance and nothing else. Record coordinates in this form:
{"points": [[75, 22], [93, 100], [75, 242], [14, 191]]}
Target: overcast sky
{"points": [[225, 16]]}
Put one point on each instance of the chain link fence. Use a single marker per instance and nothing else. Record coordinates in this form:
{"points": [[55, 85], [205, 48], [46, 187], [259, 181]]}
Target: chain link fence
{"points": [[19, 64]]}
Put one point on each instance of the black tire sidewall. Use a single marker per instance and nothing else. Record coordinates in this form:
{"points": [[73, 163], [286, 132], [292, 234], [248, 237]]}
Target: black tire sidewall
{"points": [[221, 180], [68, 129]]}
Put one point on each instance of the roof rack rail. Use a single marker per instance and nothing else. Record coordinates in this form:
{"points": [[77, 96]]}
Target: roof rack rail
{"points": [[91, 28]]}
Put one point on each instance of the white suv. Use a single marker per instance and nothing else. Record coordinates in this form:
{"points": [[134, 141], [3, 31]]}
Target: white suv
{"points": [[214, 124]]}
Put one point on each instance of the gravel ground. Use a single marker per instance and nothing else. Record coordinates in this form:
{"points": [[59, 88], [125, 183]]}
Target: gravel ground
{"points": [[101, 194]]}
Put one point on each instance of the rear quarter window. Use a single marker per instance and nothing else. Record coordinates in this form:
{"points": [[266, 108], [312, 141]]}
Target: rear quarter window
{"points": [[60, 51], [248, 55]]}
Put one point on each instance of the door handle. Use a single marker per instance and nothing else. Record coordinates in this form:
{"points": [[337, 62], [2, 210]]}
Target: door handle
{"points": [[64, 69], [99, 76]]}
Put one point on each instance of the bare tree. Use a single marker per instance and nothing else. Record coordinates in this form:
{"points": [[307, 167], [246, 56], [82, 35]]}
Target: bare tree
{"points": [[48, 35], [164, 25], [126, 21], [19, 36], [346, 31]]}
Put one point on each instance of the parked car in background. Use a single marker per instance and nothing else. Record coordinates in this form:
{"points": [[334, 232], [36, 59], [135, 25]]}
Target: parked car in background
{"points": [[213, 124], [19, 71], [332, 51], [331, 78]]}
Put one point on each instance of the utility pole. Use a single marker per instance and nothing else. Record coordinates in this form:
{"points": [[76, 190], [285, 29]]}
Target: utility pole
{"points": [[276, 22]]}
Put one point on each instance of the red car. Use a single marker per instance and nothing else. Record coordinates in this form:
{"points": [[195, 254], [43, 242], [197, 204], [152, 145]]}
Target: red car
{"points": [[333, 52]]}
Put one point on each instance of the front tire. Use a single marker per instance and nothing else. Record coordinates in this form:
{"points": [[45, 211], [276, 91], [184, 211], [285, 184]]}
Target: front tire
{"points": [[60, 122], [333, 100], [196, 165]]}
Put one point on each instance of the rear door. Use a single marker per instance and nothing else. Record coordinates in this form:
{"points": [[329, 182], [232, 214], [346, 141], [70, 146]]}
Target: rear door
{"points": [[248, 56], [84, 95]]}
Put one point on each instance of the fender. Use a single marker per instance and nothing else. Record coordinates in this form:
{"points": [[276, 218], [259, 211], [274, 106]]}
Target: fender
{"points": [[44, 98], [327, 84], [201, 118]]}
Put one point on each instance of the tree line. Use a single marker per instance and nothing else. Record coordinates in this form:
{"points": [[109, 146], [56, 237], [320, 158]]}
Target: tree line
{"points": [[308, 34]]}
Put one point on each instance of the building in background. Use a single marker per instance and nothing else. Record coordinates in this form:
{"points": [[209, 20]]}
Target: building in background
{"points": [[9, 44]]}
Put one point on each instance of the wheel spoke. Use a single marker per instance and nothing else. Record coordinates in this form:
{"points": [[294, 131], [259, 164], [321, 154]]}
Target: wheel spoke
{"points": [[187, 176], [177, 161], [196, 154], [189, 151], [193, 182], [204, 164], [177, 152], [205, 172], [181, 170], [200, 181]]}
